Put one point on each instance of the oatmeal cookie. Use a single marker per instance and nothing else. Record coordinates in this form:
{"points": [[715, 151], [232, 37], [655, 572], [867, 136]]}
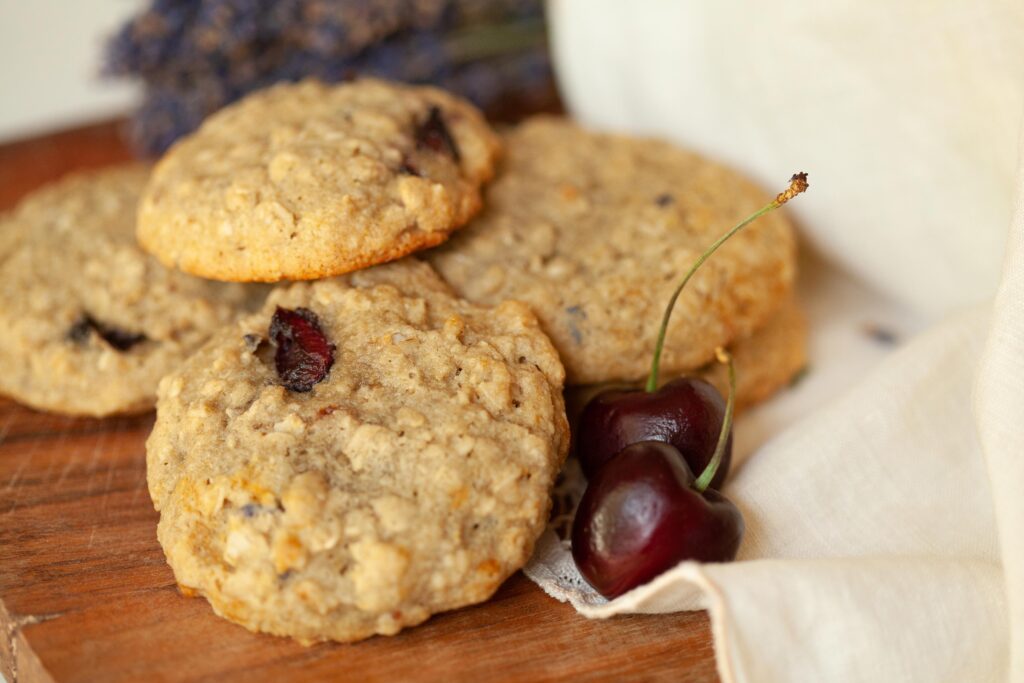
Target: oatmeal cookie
{"points": [[594, 232], [306, 180], [90, 322], [411, 474]]}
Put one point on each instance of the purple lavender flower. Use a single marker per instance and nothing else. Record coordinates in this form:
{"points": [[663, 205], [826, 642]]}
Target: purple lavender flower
{"points": [[195, 56]]}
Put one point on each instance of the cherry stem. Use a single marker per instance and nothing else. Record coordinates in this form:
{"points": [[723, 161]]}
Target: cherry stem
{"points": [[711, 470], [493, 40], [797, 184]]}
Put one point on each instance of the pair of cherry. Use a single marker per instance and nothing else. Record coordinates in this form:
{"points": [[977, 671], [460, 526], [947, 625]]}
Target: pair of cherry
{"points": [[644, 510]]}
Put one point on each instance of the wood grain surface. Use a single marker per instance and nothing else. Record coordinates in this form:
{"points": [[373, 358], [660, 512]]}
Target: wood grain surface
{"points": [[85, 594]]}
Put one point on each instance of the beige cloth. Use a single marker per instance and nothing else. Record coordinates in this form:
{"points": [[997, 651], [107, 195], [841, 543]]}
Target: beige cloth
{"points": [[883, 495], [999, 406]]}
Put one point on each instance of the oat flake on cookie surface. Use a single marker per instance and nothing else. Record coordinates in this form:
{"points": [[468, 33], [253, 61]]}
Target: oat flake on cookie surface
{"points": [[413, 478], [90, 322], [594, 231], [306, 180]]}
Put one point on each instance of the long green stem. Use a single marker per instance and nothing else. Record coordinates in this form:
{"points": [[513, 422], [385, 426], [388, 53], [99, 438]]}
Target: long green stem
{"points": [[797, 184], [723, 436], [486, 41]]}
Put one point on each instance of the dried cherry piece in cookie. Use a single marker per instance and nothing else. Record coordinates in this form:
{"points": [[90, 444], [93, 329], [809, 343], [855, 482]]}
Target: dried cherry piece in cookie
{"points": [[304, 355], [434, 134], [121, 340]]}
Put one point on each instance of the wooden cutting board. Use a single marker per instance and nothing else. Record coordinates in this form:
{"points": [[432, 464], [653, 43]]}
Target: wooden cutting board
{"points": [[85, 594]]}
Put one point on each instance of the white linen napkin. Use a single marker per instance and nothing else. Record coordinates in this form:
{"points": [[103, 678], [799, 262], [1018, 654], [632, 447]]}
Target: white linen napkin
{"points": [[885, 521]]}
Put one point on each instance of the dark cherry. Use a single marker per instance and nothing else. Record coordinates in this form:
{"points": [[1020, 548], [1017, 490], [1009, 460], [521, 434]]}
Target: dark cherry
{"points": [[644, 511], [433, 134], [86, 325], [686, 412], [304, 356], [642, 514]]}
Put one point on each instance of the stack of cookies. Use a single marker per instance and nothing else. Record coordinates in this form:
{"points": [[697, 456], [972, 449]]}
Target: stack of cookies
{"points": [[375, 441]]}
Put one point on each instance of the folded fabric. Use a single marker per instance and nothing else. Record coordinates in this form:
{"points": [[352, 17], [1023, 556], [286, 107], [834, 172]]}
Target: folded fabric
{"points": [[999, 406]]}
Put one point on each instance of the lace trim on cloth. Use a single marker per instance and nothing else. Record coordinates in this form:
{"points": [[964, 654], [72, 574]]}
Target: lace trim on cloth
{"points": [[682, 588], [552, 567]]}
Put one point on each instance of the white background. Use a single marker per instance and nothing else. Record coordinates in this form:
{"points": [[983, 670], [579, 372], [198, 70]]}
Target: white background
{"points": [[50, 59]]}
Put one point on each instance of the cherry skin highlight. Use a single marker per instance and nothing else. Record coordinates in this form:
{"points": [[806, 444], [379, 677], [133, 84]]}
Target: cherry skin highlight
{"points": [[641, 516], [686, 412]]}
